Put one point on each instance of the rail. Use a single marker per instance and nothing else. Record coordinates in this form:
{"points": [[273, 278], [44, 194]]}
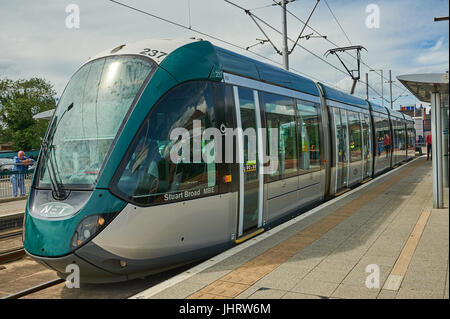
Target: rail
{"points": [[19, 253], [34, 289], [10, 234], [12, 255]]}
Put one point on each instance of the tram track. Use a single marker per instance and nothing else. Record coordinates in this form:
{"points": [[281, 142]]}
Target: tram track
{"points": [[34, 289], [10, 234], [12, 249], [16, 255], [11, 255], [41, 284], [13, 260]]}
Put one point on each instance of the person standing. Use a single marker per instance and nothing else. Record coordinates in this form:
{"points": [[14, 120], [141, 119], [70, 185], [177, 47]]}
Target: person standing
{"points": [[20, 168], [387, 144], [428, 140]]}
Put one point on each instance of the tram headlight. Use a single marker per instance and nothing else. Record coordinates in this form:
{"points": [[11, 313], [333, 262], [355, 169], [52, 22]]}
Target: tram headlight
{"points": [[89, 227]]}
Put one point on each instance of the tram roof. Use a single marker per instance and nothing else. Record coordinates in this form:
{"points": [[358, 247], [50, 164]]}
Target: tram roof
{"points": [[396, 113], [407, 117], [378, 108], [241, 65], [189, 59], [342, 97]]}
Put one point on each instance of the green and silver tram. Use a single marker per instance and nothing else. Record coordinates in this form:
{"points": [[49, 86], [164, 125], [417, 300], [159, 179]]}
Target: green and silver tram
{"points": [[108, 196]]}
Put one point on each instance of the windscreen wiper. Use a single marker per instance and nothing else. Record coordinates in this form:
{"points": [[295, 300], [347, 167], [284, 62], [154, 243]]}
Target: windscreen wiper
{"points": [[52, 181], [51, 132], [45, 146], [57, 188]]}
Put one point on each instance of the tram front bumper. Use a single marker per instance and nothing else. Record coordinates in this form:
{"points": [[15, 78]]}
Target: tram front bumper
{"points": [[88, 272]]}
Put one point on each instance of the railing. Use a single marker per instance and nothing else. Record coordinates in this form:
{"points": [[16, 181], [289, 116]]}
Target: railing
{"points": [[15, 179]]}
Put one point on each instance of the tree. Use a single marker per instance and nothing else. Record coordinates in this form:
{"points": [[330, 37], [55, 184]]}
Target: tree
{"points": [[19, 101]]}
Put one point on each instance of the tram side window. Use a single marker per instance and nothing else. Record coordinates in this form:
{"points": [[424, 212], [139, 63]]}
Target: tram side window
{"points": [[394, 135], [148, 175], [366, 135], [338, 131], [355, 136], [309, 136], [402, 136], [411, 136], [387, 138], [383, 135], [379, 135], [280, 120]]}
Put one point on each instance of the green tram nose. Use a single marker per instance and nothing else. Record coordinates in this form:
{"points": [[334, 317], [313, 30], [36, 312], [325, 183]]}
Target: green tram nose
{"points": [[50, 226]]}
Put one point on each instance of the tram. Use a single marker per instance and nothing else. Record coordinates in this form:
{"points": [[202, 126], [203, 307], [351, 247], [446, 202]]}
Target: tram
{"points": [[108, 196]]}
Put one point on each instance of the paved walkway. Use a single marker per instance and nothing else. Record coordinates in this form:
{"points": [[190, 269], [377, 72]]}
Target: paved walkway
{"points": [[11, 207], [382, 240]]}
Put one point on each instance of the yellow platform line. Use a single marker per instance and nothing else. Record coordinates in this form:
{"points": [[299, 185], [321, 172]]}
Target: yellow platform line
{"points": [[248, 236], [366, 180], [397, 274], [342, 192], [240, 279]]}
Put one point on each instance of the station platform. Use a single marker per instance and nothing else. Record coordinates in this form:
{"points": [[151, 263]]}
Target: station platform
{"points": [[11, 213], [380, 240], [13, 206]]}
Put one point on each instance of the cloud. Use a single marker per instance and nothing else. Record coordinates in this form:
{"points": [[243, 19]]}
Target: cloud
{"points": [[7, 65], [36, 42], [438, 44], [435, 55]]}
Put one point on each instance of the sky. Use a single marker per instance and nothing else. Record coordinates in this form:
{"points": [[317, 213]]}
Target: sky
{"points": [[36, 42]]}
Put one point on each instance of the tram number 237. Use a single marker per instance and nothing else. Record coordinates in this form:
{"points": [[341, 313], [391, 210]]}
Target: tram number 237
{"points": [[153, 53]]}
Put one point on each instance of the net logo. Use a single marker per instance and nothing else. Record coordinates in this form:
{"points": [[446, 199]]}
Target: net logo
{"points": [[54, 209]]}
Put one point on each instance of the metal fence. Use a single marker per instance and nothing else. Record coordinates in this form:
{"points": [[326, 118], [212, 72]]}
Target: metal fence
{"points": [[6, 182]]}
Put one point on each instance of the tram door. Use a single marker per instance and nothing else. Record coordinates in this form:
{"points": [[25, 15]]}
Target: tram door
{"points": [[342, 149], [250, 160], [367, 145]]}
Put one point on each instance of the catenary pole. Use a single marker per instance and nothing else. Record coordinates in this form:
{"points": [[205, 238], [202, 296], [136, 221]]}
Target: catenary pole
{"points": [[284, 31], [367, 86], [390, 89]]}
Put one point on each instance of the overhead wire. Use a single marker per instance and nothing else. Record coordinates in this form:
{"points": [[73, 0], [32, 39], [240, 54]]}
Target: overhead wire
{"points": [[240, 47], [234, 45], [314, 30], [303, 29], [279, 32], [215, 38], [337, 21], [245, 49], [262, 7], [337, 46], [299, 45]]}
